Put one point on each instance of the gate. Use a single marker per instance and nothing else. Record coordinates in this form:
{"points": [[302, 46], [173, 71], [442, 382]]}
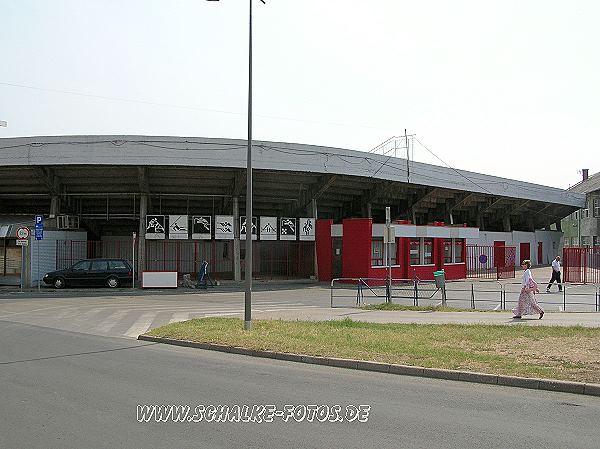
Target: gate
{"points": [[581, 265], [491, 262]]}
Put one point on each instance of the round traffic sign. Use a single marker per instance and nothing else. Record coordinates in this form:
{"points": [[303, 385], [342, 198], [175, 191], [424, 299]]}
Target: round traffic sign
{"points": [[23, 233]]}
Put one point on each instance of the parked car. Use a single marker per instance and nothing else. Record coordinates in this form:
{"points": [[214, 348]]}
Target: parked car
{"points": [[92, 272]]}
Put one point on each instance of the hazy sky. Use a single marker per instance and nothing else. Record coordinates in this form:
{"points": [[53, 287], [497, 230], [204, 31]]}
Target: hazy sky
{"points": [[508, 88]]}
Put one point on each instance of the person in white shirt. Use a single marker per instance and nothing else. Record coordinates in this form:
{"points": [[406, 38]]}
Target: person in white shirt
{"points": [[555, 275]]}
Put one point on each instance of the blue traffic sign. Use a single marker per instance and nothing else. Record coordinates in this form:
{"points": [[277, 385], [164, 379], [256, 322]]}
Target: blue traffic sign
{"points": [[39, 222], [39, 233]]}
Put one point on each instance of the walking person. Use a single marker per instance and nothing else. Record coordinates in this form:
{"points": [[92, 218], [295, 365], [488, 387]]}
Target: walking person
{"points": [[527, 304], [555, 275]]}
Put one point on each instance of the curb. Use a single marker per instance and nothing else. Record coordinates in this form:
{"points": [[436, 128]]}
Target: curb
{"points": [[390, 368]]}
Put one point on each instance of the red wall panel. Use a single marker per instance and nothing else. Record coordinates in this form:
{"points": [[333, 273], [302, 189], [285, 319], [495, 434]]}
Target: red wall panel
{"points": [[323, 243], [455, 271], [356, 247]]}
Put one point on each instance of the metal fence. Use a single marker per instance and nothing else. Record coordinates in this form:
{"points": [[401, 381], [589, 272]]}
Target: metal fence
{"points": [[70, 251], [491, 262], [581, 265], [482, 295], [573, 297], [271, 260]]}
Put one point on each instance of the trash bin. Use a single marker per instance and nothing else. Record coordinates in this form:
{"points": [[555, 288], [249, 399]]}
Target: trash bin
{"points": [[440, 278]]}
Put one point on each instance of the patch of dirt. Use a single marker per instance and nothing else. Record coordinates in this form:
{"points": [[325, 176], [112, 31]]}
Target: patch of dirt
{"points": [[575, 358]]}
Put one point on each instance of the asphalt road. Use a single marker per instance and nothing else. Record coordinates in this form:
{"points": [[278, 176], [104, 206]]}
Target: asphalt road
{"points": [[125, 315], [67, 389]]}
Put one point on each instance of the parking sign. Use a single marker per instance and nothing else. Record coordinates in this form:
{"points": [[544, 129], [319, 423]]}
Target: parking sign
{"points": [[39, 227]]}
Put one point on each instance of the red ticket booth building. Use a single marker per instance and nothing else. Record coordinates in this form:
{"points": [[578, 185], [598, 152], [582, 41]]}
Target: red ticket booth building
{"points": [[356, 249]]}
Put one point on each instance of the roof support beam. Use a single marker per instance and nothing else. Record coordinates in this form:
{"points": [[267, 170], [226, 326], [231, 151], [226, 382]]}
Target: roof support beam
{"points": [[239, 183], [144, 185], [315, 191]]}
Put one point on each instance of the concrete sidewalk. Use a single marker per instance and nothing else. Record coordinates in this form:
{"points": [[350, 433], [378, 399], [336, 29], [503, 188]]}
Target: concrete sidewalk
{"points": [[426, 317]]}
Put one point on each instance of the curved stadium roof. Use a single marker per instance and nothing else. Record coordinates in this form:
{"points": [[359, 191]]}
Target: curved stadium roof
{"points": [[88, 171]]}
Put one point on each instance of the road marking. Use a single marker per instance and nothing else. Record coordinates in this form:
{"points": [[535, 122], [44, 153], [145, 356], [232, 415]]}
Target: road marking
{"points": [[141, 325], [111, 321]]}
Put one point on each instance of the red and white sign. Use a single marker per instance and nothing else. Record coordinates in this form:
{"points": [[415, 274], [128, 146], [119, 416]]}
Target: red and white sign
{"points": [[23, 233]]}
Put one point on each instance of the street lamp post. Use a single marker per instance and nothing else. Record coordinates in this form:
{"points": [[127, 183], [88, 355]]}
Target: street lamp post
{"points": [[248, 271]]}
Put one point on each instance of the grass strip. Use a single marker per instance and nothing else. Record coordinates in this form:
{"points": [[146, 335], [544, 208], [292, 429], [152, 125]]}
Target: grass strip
{"points": [[390, 306], [566, 353]]}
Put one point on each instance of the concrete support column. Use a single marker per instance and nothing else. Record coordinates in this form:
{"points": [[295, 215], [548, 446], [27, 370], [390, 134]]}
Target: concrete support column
{"points": [[141, 247], [314, 214], [54, 206], [237, 270], [506, 223], [369, 210]]}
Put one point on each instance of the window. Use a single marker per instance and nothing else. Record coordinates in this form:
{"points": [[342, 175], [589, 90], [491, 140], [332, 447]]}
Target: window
{"points": [[575, 241], [448, 251], [453, 250], [117, 265], [415, 252], [596, 204], [99, 265], [458, 250], [576, 215], [82, 266], [596, 241], [377, 253], [427, 251], [586, 241]]}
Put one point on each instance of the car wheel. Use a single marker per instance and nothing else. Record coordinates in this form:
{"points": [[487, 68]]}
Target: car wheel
{"points": [[112, 282], [59, 283]]}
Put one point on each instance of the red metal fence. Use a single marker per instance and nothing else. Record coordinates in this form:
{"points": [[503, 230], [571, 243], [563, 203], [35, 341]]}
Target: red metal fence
{"points": [[581, 264], [491, 262], [271, 260]]}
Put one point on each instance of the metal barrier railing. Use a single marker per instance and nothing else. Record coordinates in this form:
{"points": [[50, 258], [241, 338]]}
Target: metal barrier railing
{"points": [[357, 285], [414, 290], [570, 294], [475, 292], [471, 294]]}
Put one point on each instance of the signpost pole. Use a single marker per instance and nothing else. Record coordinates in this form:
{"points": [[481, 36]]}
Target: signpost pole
{"points": [[22, 266], [38, 263], [388, 271], [133, 262]]}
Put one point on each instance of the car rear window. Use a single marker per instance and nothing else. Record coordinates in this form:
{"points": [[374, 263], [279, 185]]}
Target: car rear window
{"points": [[117, 265], [99, 265]]}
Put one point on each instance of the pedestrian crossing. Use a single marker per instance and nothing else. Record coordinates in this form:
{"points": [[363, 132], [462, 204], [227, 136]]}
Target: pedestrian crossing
{"points": [[132, 318]]}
